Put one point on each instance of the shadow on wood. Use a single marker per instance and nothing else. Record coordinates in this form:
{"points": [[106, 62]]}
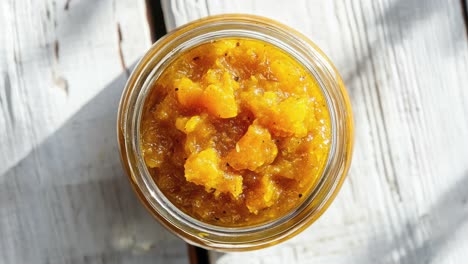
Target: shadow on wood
{"points": [[423, 239], [69, 200], [398, 21]]}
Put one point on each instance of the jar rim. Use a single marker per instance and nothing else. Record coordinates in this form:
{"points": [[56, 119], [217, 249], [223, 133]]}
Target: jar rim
{"points": [[153, 64]]}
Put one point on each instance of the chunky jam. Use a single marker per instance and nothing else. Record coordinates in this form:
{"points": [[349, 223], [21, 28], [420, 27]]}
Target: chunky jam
{"points": [[235, 132]]}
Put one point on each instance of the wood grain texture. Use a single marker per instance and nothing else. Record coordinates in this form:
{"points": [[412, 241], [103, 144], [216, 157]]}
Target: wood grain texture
{"points": [[63, 195], [405, 63]]}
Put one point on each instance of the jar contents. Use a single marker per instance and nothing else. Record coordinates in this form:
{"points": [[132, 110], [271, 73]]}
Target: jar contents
{"points": [[235, 132]]}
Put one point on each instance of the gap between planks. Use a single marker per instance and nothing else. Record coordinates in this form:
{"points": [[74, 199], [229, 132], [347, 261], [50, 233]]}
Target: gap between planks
{"points": [[464, 10]]}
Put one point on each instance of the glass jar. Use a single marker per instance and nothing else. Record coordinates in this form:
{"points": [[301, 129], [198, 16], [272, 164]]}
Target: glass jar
{"points": [[150, 68]]}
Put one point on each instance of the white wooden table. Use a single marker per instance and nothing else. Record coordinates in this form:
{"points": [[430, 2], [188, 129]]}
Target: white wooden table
{"points": [[63, 195]]}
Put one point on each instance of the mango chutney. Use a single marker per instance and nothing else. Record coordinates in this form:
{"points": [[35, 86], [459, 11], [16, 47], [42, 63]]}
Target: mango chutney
{"points": [[235, 132]]}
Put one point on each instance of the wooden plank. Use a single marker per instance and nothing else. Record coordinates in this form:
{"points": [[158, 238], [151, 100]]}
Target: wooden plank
{"points": [[405, 65], [63, 195]]}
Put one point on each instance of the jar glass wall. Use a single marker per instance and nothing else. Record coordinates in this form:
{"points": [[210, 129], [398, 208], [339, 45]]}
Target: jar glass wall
{"points": [[301, 49]]}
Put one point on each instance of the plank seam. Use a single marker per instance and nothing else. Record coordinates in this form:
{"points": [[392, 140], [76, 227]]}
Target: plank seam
{"points": [[464, 7]]}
